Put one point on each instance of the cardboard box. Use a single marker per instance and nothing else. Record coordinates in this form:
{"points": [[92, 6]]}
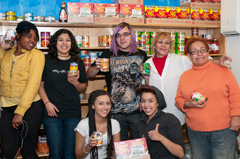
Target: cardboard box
{"points": [[131, 10], [131, 149], [80, 12], [112, 20], [202, 5], [167, 22], [132, 20], [130, 1], [105, 10], [205, 23]]}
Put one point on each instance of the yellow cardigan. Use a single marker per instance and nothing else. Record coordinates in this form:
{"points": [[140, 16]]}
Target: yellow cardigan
{"points": [[25, 79]]}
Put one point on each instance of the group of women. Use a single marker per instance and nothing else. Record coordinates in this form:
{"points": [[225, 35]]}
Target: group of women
{"points": [[28, 81]]}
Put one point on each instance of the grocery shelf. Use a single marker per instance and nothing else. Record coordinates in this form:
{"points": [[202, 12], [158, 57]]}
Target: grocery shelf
{"points": [[155, 23]]}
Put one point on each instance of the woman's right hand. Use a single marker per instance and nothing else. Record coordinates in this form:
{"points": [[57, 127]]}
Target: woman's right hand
{"points": [[99, 63], [195, 104], [51, 109], [4, 46], [92, 141]]}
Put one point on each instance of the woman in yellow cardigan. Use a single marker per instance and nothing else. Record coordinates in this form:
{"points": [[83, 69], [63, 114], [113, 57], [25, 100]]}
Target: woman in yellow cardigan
{"points": [[21, 72]]}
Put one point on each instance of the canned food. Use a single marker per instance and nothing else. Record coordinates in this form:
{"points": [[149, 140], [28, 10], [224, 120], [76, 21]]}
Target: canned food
{"points": [[146, 69], [173, 36], [195, 32], [2, 16], [109, 42], [93, 56], [85, 39], [180, 37], [105, 40], [50, 19], [87, 60], [83, 53], [98, 135], [198, 96], [105, 65], [100, 41], [79, 40], [10, 13], [38, 18], [11, 18], [45, 39], [179, 48], [28, 16], [19, 18], [73, 68]]}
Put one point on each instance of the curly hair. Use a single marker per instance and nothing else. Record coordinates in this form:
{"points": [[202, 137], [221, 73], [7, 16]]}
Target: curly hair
{"points": [[53, 52], [92, 126]]}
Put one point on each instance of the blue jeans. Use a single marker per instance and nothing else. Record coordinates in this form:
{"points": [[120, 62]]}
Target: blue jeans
{"points": [[219, 144], [127, 122], [60, 137]]}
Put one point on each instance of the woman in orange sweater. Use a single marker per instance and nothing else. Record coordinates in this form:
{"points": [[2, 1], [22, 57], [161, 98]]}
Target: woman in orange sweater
{"points": [[212, 121]]}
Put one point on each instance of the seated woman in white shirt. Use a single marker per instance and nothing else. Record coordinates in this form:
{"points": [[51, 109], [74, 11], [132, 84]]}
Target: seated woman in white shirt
{"points": [[99, 120]]}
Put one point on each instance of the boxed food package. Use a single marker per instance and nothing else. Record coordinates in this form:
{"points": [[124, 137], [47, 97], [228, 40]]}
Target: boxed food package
{"points": [[183, 12], [131, 11], [195, 14], [106, 10], [80, 12], [149, 11], [130, 1], [204, 13], [131, 149], [215, 14], [171, 12], [161, 12], [42, 144]]}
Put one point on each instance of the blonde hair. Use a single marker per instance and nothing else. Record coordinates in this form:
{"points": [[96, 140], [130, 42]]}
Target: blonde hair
{"points": [[161, 35]]}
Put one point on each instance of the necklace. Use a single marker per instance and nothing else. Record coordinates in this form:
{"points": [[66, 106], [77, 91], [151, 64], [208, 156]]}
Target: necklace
{"points": [[64, 56]]}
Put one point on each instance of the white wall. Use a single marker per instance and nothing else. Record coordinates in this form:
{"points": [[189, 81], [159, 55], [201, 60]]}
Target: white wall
{"points": [[233, 50]]}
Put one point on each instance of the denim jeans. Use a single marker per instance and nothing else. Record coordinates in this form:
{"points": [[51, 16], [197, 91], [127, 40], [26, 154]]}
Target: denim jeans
{"points": [[10, 137], [219, 144], [128, 122], [60, 137]]}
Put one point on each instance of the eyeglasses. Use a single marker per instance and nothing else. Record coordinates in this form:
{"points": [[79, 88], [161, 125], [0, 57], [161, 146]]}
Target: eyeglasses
{"points": [[125, 34], [195, 52]]}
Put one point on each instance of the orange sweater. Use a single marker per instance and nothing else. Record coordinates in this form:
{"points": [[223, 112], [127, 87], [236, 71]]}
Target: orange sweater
{"points": [[221, 88]]}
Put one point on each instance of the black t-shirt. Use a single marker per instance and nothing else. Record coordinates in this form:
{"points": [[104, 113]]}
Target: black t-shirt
{"points": [[59, 91], [123, 79]]}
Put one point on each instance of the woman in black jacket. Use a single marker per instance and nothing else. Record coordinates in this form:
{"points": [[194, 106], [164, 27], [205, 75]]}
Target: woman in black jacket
{"points": [[162, 130]]}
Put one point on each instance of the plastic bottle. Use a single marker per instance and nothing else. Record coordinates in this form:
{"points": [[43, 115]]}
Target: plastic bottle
{"points": [[63, 17]]}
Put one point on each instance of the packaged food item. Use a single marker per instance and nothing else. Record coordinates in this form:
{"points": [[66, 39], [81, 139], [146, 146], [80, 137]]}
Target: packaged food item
{"points": [[204, 13], [85, 40], [180, 37], [45, 39], [195, 32], [146, 69], [19, 18], [161, 12], [198, 96], [38, 18], [73, 68], [79, 40], [131, 10], [195, 14], [149, 11], [98, 135], [10, 16], [10, 36], [63, 16], [28, 16], [214, 14], [99, 9], [50, 19], [42, 144], [171, 12], [2, 16], [183, 12], [105, 65], [112, 10], [227, 64]]}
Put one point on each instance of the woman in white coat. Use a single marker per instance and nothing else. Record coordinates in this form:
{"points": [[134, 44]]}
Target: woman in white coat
{"points": [[166, 69]]}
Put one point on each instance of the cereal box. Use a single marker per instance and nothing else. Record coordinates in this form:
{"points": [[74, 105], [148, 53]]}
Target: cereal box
{"points": [[149, 11], [80, 12], [195, 15], [112, 10], [214, 14], [86, 9], [42, 144], [99, 9], [131, 149], [183, 12], [171, 12], [161, 12], [204, 14], [131, 10]]}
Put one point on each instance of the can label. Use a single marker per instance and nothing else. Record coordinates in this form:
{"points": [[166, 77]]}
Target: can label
{"points": [[45, 39], [73, 69], [98, 135], [79, 40], [146, 69], [105, 65], [180, 37], [198, 96], [85, 41]]}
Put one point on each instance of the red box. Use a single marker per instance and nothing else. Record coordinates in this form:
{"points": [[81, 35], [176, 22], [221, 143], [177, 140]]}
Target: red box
{"points": [[149, 11], [107, 10], [130, 1], [136, 148], [204, 14], [80, 12], [131, 10], [215, 14]]}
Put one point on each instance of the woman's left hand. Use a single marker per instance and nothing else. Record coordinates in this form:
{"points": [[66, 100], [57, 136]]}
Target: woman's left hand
{"points": [[154, 134], [17, 121], [235, 123], [73, 79]]}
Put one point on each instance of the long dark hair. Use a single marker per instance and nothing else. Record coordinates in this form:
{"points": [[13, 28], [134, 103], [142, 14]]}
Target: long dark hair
{"points": [[92, 125], [74, 51]]}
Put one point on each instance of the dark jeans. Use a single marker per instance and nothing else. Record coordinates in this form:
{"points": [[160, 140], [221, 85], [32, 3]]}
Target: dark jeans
{"points": [[61, 137], [11, 138], [128, 122]]}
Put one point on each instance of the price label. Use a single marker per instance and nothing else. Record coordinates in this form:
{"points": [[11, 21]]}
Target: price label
{"points": [[110, 11], [136, 13]]}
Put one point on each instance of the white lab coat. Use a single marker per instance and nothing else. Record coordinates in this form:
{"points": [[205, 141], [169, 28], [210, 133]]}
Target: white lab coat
{"points": [[175, 65]]}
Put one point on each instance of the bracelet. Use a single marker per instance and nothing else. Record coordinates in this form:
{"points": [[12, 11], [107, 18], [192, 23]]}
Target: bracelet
{"points": [[84, 150], [46, 102]]}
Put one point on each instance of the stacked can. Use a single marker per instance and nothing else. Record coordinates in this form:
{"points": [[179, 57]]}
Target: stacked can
{"points": [[144, 40], [28, 16], [10, 15], [180, 43], [2, 16]]}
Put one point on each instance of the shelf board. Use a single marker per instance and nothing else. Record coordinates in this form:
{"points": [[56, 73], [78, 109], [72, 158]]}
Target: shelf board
{"points": [[112, 25], [40, 154]]}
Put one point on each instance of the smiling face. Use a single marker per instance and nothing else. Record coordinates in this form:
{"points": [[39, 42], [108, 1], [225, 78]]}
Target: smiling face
{"points": [[63, 44], [123, 38], [102, 106], [200, 58], [29, 41], [149, 104], [162, 47]]}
